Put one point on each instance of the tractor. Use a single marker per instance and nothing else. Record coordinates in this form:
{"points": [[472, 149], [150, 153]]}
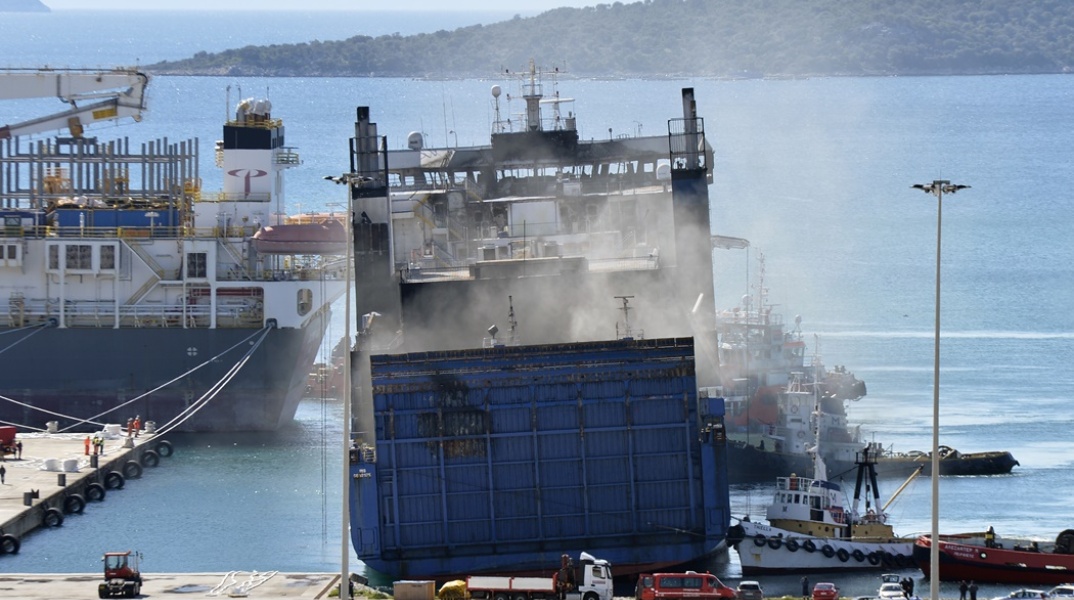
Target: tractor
{"points": [[121, 575]]}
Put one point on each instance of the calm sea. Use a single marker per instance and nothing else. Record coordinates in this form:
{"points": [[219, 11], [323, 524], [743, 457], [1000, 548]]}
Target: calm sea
{"points": [[816, 173]]}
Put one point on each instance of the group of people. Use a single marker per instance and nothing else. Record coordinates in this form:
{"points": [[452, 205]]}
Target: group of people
{"points": [[134, 426], [970, 587], [97, 445], [907, 584], [15, 449]]}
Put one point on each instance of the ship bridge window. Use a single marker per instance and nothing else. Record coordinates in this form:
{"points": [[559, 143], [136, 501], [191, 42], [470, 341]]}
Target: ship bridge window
{"points": [[78, 257], [108, 258], [196, 265], [305, 301]]}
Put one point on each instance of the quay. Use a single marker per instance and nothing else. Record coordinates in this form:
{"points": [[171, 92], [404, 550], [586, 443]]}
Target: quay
{"points": [[55, 477], [265, 586]]}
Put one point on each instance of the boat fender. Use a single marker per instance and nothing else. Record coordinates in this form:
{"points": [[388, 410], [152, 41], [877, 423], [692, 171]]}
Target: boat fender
{"points": [[95, 492], [165, 449], [775, 542], [74, 504], [858, 555], [874, 558], [809, 546], [150, 458], [132, 470], [792, 545], [9, 544], [759, 540], [53, 517], [1064, 542], [114, 481], [888, 559], [735, 534], [842, 555], [828, 551]]}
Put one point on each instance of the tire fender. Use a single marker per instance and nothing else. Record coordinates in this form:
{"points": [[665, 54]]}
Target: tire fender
{"points": [[828, 551], [9, 544], [164, 448], [759, 540], [114, 480], [53, 517], [132, 469], [149, 458], [74, 504], [95, 492], [842, 555]]}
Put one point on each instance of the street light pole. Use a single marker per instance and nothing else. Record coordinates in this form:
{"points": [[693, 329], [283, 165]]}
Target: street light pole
{"points": [[937, 188]]}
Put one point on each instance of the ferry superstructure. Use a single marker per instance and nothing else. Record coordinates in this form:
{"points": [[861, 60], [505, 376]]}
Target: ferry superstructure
{"points": [[587, 418]]}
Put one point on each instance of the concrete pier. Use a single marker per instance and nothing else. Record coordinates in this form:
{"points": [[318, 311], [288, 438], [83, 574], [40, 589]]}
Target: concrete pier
{"points": [[56, 477], [266, 586]]}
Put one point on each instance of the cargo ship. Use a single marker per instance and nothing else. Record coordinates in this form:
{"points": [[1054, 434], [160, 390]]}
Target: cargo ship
{"points": [[128, 291], [535, 369]]}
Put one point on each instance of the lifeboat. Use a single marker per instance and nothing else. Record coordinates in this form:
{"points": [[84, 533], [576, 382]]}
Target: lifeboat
{"points": [[327, 237]]}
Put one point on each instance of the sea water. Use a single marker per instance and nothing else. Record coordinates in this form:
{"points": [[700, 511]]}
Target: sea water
{"points": [[816, 173]]}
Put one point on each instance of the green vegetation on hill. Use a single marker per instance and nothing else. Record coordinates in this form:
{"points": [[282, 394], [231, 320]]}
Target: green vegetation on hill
{"points": [[716, 38]]}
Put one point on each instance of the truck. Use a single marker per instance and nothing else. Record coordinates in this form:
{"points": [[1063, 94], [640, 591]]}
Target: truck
{"points": [[7, 440], [121, 575], [588, 579]]}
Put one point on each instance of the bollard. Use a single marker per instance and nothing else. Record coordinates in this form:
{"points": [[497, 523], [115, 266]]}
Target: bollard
{"points": [[61, 479], [52, 426], [28, 498], [128, 443], [93, 461]]}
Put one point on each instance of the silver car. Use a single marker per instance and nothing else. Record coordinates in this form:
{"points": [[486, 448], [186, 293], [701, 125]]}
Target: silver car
{"points": [[749, 590]]}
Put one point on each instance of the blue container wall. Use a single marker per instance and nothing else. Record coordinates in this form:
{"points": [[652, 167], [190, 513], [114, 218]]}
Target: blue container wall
{"points": [[595, 444]]}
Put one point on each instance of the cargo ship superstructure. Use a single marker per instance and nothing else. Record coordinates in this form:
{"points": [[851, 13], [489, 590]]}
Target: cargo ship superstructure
{"points": [[535, 370], [128, 291]]}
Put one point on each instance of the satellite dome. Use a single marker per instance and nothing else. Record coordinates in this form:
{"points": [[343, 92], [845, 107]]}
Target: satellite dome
{"points": [[414, 141], [495, 91]]}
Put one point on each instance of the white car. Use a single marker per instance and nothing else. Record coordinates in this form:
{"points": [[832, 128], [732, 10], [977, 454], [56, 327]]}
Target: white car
{"points": [[1062, 591], [1022, 594], [889, 591]]}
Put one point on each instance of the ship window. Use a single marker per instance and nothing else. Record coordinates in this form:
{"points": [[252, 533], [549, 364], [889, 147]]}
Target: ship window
{"points": [[79, 256], [54, 257], [196, 265], [108, 258], [12, 252], [305, 301]]}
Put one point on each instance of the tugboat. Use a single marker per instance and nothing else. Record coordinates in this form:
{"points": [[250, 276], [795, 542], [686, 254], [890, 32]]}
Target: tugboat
{"points": [[809, 529]]}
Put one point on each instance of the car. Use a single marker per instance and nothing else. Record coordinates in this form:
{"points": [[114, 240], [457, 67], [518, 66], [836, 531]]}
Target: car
{"points": [[1062, 591], [749, 590], [891, 590], [1022, 594], [825, 591]]}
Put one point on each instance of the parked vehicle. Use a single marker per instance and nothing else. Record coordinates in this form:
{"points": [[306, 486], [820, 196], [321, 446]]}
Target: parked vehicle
{"points": [[589, 579], [750, 590], [677, 586], [890, 590], [121, 575], [1023, 594], [827, 591], [1065, 590]]}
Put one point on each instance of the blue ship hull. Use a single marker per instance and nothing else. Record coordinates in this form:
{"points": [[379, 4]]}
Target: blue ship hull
{"points": [[502, 459]]}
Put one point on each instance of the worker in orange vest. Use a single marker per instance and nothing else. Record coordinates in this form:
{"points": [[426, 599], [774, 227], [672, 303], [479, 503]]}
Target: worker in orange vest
{"points": [[137, 424], [87, 445]]}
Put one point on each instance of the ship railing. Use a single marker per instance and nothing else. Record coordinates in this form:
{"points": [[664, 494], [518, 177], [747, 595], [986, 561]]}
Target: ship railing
{"points": [[226, 197], [287, 156], [793, 484], [90, 313]]}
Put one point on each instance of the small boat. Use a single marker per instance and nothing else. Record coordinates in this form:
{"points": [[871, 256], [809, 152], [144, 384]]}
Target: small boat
{"points": [[991, 558], [809, 529]]}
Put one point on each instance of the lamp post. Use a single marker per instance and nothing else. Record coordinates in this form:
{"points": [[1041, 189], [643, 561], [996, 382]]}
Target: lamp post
{"points": [[938, 188]]}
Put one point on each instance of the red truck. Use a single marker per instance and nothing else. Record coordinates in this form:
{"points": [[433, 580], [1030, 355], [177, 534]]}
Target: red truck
{"points": [[7, 440]]}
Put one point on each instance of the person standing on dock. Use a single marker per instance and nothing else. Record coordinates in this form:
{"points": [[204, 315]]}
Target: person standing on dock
{"points": [[3, 472], [962, 587], [88, 445], [973, 590], [137, 424], [18, 448], [805, 585]]}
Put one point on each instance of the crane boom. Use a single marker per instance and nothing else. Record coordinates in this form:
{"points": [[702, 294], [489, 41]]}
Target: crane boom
{"points": [[111, 94]]}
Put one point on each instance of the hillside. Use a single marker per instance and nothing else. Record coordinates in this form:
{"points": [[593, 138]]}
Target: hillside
{"points": [[715, 38]]}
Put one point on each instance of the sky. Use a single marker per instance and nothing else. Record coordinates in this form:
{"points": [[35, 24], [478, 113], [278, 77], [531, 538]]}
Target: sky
{"points": [[351, 5]]}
